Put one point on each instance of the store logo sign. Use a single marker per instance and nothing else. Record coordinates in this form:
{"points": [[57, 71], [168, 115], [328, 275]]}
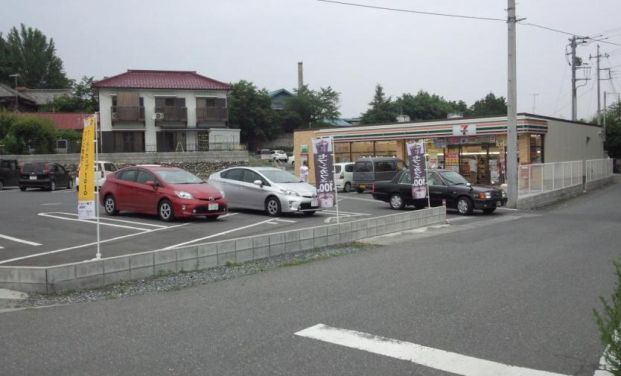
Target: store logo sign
{"points": [[464, 130]]}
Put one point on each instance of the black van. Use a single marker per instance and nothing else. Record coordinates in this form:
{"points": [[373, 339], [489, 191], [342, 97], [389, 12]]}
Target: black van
{"points": [[368, 170]]}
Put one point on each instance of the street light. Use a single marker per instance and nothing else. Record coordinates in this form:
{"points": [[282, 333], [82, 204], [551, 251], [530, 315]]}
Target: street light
{"points": [[16, 75]]}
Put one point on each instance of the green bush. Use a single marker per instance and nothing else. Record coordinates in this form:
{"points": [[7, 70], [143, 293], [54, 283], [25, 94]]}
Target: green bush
{"points": [[30, 133], [609, 322]]}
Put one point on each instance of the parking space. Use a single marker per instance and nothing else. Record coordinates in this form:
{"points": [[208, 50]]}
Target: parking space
{"points": [[41, 228]]}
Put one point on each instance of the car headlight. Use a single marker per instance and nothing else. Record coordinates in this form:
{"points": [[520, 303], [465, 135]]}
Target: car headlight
{"points": [[223, 194], [485, 195], [182, 194], [290, 192]]}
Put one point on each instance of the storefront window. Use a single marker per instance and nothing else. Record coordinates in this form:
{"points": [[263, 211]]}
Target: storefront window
{"points": [[342, 152], [536, 148], [385, 148]]}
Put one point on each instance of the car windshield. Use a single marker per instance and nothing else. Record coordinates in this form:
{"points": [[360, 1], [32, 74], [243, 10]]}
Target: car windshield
{"points": [[179, 177], [280, 176], [453, 178]]}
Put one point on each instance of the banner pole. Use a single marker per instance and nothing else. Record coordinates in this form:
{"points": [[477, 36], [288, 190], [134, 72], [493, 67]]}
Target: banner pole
{"points": [[427, 180], [336, 195], [98, 255]]}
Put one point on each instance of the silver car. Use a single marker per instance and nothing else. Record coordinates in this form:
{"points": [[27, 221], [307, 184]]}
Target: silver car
{"points": [[266, 188]]}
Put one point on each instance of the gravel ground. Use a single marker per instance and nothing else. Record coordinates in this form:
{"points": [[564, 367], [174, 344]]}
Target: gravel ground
{"points": [[176, 281]]}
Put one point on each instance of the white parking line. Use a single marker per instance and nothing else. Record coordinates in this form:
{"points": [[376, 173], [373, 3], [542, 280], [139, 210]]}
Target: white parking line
{"points": [[88, 244], [425, 356], [51, 204], [94, 222], [18, 240], [49, 214], [214, 235], [357, 198]]}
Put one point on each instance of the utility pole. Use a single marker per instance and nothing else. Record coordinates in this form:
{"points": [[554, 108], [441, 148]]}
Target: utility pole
{"points": [[512, 177], [575, 63], [597, 59]]}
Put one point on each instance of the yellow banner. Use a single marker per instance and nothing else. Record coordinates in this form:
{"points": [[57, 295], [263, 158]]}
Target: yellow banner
{"points": [[86, 193]]}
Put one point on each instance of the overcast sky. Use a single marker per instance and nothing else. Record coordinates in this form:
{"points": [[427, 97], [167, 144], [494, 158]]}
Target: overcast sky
{"points": [[348, 48]]}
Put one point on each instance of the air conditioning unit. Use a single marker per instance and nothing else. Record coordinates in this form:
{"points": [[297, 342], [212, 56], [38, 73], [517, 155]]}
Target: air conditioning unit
{"points": [[158, 116]]}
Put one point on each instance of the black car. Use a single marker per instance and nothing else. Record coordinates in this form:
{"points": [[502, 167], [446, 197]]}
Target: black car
{"points": [[443, 185], [45, 175]]}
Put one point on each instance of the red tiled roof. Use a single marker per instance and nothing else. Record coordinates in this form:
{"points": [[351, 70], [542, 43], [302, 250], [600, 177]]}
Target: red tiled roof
{"points": [[61, 120], [155, 79]]}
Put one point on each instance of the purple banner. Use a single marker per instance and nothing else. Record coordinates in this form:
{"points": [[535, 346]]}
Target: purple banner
{"points": [[416, 157], [324, 171]]}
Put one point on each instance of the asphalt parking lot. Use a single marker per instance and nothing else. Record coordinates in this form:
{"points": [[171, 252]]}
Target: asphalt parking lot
{"points": [[41, 228]]}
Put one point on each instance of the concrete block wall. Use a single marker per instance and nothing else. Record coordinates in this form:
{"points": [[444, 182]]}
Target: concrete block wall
{"points": [[98, 273], [548, 198]]}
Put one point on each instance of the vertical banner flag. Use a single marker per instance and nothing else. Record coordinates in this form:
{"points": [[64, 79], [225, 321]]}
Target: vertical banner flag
{"points": [[86, 192], [416, 156], [324, 171]]}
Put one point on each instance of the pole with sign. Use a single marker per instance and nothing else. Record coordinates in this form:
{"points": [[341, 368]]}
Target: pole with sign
{"points": [[418, 171], [323, 154], [87, 202]]}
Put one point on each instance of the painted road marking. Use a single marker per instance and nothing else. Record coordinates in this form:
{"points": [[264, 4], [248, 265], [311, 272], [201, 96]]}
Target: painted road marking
{"points": [[425, 356], [108, 219], [92, 222], [342, 214], [51, 204], [88, 244], [215, 235], [17, 240], [359, 198]]}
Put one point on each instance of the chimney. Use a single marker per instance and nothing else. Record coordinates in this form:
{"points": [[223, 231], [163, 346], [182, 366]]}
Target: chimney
{"points": [[300, 75]]}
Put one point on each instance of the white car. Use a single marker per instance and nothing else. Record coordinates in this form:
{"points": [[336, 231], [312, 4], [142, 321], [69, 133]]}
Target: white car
{"points": [[279, 155], [267, 189], [343, 175], [102, 168]]}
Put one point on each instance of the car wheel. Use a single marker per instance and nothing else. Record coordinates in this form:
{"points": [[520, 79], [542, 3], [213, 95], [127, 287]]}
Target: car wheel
{"points": [[1, 185], [69, 184], [347, 187], [110, 205], [396, 201], [272, 207], [464, 206], [52, 186], [309, 213], [489, 210], [22, 189], [165, 211]]}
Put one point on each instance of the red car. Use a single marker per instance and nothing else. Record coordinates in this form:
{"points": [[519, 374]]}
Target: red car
{"points": [[169, 192]]}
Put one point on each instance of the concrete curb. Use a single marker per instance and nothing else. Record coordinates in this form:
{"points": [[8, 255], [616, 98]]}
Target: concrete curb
{"points": [[98, 273]]}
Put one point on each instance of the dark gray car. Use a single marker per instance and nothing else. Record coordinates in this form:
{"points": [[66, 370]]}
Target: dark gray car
{"points": [[368, 170]]}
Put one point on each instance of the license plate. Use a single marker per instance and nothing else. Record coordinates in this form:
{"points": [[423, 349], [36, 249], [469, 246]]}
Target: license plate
{"points": [[314, 202], [212, 207], [33, 178]]}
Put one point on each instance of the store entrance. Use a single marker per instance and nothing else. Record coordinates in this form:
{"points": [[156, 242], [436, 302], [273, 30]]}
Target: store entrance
{"points": [[478, 163]]}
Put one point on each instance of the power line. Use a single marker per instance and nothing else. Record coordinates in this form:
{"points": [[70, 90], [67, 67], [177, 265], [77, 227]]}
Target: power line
{"points": [[547, 28], [414, 11]]}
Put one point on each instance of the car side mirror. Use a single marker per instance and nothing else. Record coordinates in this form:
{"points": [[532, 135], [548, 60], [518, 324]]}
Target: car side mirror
{"points": [[258, 182], [469, 185], [152, 183]]}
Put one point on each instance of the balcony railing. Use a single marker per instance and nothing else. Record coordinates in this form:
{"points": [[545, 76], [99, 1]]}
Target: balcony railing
{"points": [[205, 114], [171, 113], [125, 113]]}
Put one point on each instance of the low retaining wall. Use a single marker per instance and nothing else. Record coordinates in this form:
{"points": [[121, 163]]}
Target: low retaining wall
{"points": [[548, 198], [98, 273], [199, 156]]}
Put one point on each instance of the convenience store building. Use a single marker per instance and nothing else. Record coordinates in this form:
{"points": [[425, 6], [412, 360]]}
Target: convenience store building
{"points": [[476, 148]]}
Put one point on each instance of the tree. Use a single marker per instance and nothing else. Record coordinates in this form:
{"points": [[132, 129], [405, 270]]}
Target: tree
{"points": [[613, 131], [83, 98], [382, 109], [425, 106], [608, 322], [250, 110], [30, 133], [28, 52], [489, 106], [314, 106]]}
